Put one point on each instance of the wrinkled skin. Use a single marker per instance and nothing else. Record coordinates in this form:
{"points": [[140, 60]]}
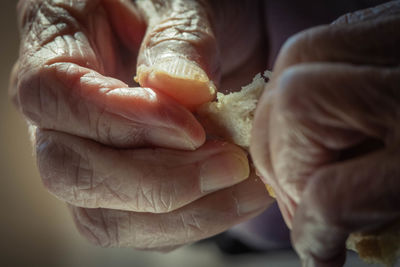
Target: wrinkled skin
{"points": [[131, 162], [326, 134]]}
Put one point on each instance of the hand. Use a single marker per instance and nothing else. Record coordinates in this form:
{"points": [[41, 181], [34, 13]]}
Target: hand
{"points": [[326, 135], [132, 162]]}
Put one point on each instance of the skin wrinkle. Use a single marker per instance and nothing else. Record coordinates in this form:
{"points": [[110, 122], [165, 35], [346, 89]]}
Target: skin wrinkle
{"points": [[98, 43], [140, 126], [57, 105], [152, 194], [91, 233], [289, 139], [184, 225], [26, 17], [77, 87], [47, 21], [117, 196], [78, 45], [193, 228], [165, 197], [112, 222], [145, 200], [96, 126], [321, 206], [166, 30], [164, 33], [68, 95], [79, 9], [50, 40], [62, 65], [163, 229], [105, 226], [117, 237], [103, 183]]}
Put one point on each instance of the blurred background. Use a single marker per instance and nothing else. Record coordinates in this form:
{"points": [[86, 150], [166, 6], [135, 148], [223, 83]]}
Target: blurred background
{"points": [[36, 228]]}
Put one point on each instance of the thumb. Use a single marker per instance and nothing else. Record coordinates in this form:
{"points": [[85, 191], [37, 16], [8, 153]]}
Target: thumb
{"points": [[179, 55]]}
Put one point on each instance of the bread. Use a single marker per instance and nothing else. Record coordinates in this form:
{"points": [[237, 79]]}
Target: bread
{"points": [[382, 246], [230, 118]]}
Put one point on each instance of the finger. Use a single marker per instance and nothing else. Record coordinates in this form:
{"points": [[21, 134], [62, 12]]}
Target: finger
{"points": [[61, 84], [179, 53], [50, 30], [330, 209], [63, 32], [370, 42], [127, 22], [88, 174], [391, 8], [320, 110], [73, 99], [203, 218]]}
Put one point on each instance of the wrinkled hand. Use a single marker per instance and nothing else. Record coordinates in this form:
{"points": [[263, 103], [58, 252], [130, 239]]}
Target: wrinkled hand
{"points": [[132, 162], [326, 136]]}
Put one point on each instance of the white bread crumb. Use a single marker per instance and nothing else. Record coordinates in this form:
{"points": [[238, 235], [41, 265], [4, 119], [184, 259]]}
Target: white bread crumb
{"points": [[231, 116]]}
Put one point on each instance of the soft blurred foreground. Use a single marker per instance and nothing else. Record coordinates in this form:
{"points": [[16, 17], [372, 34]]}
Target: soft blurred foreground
{"points": [[36, 228]]}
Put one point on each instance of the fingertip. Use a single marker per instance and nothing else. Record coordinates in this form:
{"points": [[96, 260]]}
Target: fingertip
{"points": [[160, 120], [190, 134], [251, 196], [223, 170], [179, 55], [179, 78]]}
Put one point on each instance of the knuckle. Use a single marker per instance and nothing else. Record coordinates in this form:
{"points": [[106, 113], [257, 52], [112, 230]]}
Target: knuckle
{"points": [[302, 47], [36, 96], [65, 173], [292, 84], [29, 95], [295, 48]]}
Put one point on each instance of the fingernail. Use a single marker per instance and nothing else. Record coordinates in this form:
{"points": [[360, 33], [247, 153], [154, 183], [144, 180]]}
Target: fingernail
{"points": [[252, 197], [223, 170], [170, 138], [180, 78]]}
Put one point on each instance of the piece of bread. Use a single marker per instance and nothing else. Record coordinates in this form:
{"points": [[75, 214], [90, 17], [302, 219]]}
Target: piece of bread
{"points": [[230, 118], [382, 246]]}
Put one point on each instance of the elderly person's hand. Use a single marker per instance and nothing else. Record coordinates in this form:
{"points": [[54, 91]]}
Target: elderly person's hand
{"points": [[132, 162], [326, 136]]}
